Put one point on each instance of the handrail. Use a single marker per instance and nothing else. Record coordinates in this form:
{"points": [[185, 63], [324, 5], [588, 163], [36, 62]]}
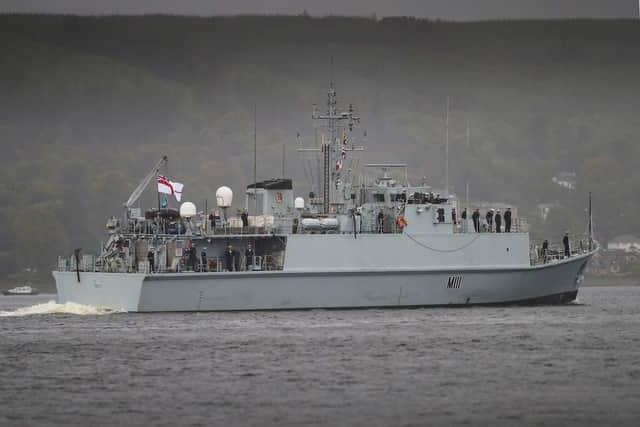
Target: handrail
{"points": [[578, 245]]}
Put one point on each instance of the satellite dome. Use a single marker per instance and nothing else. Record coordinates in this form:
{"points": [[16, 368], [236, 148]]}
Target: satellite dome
{"points": [[298, 203], [224, 197], [187, 210]]}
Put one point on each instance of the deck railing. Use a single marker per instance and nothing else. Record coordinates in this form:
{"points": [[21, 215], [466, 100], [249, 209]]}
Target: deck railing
{"points": [[578, 245], [90, 263], [518, 225]]}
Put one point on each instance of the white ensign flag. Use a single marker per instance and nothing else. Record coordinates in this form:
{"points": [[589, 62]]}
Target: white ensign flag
{"points": [[169, 187]]}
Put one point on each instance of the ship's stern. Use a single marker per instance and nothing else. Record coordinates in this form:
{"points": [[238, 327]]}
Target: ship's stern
{"points": [[117, 291]]}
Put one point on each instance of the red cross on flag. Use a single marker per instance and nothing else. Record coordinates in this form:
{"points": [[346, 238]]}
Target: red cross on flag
{"points": [[166, 186]]}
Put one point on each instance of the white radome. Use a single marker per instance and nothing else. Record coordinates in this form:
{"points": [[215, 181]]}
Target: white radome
{"points": [[298, 203], [187, 210], [224, 197]]}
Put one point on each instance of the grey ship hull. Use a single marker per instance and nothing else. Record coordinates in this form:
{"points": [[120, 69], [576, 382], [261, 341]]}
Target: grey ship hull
{"points": [[553, 283]]}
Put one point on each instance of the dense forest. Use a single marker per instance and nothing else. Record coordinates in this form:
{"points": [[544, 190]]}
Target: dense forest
{"points": [[89, 104]]}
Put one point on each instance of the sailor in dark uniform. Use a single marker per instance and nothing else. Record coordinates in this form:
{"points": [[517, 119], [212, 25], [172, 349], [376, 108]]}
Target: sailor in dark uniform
{"points": [[545, 249], [489, 218], [498, 221], [248, 254], [565, 243], [203, 259], [245, 219], [150, 257], [476, 220], [507, 221], [380, 222], [193, 258], [229, 255]]}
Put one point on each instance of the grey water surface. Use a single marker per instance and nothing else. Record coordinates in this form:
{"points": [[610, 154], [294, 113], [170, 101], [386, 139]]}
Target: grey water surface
{"points": [[551, 365]]}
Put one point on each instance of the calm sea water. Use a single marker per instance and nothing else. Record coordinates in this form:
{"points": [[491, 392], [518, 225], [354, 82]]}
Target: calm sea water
{"points": [[567, 365]]}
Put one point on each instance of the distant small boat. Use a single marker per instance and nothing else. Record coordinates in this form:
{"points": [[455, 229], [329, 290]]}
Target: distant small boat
{"points": [[21, 290]]}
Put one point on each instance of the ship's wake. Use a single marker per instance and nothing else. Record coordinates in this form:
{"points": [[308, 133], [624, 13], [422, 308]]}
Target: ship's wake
{"points": [[52, 307]]}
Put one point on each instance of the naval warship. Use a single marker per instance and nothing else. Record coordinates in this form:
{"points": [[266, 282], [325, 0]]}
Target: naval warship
{"points": [[368, 238]]}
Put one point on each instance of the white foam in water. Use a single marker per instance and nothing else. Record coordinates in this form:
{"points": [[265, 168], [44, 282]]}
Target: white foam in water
{"points": [[52, 307]]}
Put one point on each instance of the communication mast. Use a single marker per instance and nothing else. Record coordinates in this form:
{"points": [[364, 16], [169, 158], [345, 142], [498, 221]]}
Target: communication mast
{"points": [[336, 123]]}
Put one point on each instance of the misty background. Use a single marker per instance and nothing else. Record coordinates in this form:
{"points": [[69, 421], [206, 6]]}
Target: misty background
{"points": [[433, 9], [89, 104]]}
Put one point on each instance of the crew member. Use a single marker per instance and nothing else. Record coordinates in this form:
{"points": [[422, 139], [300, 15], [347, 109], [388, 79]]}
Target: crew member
{"points": [[245, 218], [203, 259], [565, 243], [229, 255], [507, 221], [463, 216], [498, 221], [380, 221], [150, 258], [453, 216], [248, 254], [212, 220], [545, 249], [476, 220], [358, 219], [193, 258], [489, 218]]}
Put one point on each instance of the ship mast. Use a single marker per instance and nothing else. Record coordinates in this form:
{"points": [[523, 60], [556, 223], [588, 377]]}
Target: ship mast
{"points": [[334, 148]]}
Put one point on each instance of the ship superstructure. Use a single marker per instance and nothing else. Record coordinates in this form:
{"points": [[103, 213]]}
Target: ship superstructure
{"points": [[369, 238]]}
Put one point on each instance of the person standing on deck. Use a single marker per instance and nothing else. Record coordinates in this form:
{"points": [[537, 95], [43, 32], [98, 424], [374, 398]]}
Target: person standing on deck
{"points": [[476, 220], [507, 221], [380, 222], [565, 243], [489, 218], [463, 216], [498, 221], [150, 258], [228, 258], [193, 258], [248, 254], [545, 249], [203, 259], [245, 218], [212, 220]]}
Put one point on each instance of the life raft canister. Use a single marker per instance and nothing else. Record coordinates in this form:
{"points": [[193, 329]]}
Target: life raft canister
{"points": [[402, 222]]}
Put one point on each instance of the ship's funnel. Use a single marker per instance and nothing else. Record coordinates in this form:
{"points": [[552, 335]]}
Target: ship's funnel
{"points": [[298, 203], [187, 210], [224, 197]]}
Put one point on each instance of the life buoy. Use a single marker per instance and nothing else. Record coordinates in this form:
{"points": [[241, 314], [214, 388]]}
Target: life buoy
{"points": [[402, 222], [614, 268]]}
